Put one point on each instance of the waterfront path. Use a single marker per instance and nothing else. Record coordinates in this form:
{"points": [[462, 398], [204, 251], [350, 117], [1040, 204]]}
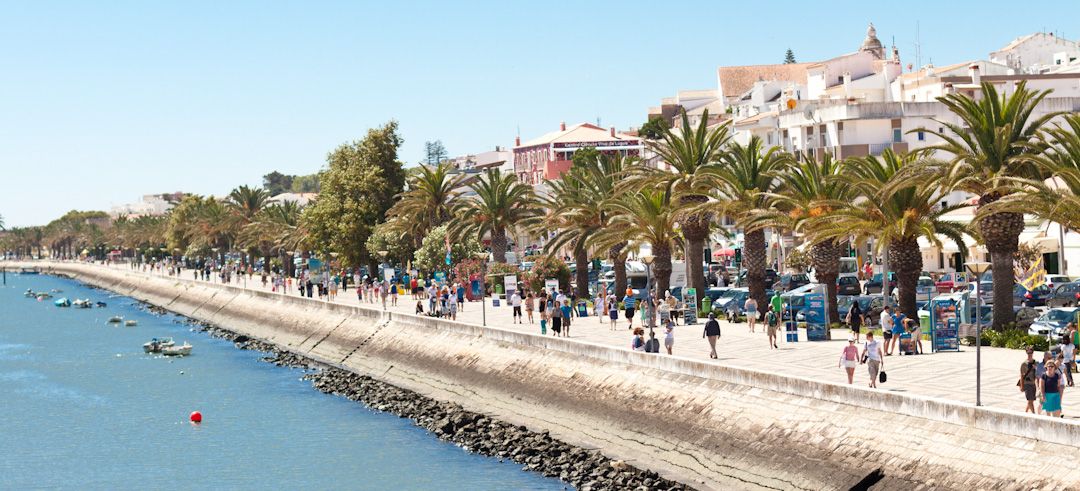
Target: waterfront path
{"points": [[946, 375]]}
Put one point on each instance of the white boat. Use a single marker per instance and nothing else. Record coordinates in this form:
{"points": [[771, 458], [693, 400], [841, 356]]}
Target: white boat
{"points": [[29, 293], [131, 323], [177, 350], [57, 290], [82, 304], [116, 319], [156, 345], [44, 295]]}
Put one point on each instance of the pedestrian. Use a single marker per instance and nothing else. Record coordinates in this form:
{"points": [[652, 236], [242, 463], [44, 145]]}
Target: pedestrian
{"points": [[419, 305], [669, 335], [393, 294], [543, 320], [567, 313], [915, 328], [556, 319], [777, 304], [886, 321], [638, 342], [453, 307], [628, 302], [413, 288], [529, 301], [772, 323], [460, 290], [333, 289], [1028, 380], [542, 305], [751, 312], [712, 332], [855, 319], [1050, 388], [873, 358], [1068, 357], [599, 306], [613, 310], [899, 321], [515, 302], [849, 359], [310, 286]]}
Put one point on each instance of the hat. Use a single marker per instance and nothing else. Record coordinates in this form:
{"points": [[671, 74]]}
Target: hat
{"points": [[851, 338]]}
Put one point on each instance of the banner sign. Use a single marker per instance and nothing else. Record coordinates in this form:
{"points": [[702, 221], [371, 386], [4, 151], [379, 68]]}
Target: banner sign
{"points": [[440, 276], [816, 328], [945, 324], [509, 284], [551, 286], [690, 300], [474, 287], [612, 143], [388, 274]]}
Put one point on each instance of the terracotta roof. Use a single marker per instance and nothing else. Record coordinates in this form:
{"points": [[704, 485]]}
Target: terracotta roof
{"points": [[735, 80], [755, 118]]}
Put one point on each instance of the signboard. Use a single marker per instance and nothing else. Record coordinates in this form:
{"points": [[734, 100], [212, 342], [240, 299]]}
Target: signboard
{"points": [[388, 274], [447, 258], [612, 143], [690, 300], [440, 276], [551, 286], [509, 284], [816, 327], [944, 323], [474, 287]]}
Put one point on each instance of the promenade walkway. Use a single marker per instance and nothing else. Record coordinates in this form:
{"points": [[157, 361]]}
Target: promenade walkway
{"points": [[947, 375]]}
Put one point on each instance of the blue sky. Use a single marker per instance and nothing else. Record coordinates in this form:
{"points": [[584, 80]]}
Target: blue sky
{"points": [[101, 102]]}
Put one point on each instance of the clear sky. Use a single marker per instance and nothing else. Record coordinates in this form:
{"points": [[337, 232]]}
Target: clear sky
{"points": [[101, 102]]}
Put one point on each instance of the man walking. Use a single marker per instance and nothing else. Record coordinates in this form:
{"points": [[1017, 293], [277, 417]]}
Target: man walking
{"points": [[886, 322], [1028, 371], [874, 360], [515, 301], [712, 332], [777, 304]]}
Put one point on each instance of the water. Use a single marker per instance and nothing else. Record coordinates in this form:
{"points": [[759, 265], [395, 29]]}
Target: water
{"points": [[81, 407]]}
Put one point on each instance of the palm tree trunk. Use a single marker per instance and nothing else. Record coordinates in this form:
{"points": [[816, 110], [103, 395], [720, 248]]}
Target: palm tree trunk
{"points": [[754, 250], [581, 261], [498, 245], [618, 265], [905, 259], [695, 229], [1001, 234], [826, 259], [661, 268]]}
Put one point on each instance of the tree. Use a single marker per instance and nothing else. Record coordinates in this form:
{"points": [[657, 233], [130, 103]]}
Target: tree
{"points": [[997, 144], [431, 256], [2, 222], [399, 247], [276, 183], [797, 261], [745, 184], [244, 204], [583, 156], [646, 216], [358, 187], [693, 155], [499, 206], [789, 57], [652, 129], [895, 213], [306, 184], [427, 202], [435, 153]]}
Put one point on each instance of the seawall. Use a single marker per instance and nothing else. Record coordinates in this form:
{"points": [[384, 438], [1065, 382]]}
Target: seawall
{"points": [[705, 424]]}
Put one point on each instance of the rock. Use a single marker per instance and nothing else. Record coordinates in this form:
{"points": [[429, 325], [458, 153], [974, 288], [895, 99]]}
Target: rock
{"points": [[619, 465]]}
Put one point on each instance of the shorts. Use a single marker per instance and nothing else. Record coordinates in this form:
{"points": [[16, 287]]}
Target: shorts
{"points": [[751, 313], [850, 363], [855, 328], [614, 314], [1029, 392], [887, 334], [772, 331], [415, 290], [873, 366], [517, 311], [630, 314], [669, 342]]}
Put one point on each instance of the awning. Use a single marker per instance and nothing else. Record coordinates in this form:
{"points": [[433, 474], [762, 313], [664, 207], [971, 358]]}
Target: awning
{"points": [[1039, 240], [724, 252]]}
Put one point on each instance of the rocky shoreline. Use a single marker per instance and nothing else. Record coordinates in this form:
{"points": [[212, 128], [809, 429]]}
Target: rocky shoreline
{"points": [[586, 469]]}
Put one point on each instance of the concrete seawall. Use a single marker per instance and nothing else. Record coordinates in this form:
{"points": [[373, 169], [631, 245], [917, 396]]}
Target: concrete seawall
{"points": [[705, 424]]}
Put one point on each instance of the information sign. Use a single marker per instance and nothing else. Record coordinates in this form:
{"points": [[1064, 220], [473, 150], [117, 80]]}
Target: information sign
{"points": [[945, 324], [816, 328], [690, 300]]}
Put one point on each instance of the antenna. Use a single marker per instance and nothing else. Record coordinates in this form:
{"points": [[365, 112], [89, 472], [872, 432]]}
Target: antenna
{"points": [[918, 46]]}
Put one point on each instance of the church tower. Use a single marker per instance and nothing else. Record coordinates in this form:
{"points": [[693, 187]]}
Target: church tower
{"points": [[872, 44]]}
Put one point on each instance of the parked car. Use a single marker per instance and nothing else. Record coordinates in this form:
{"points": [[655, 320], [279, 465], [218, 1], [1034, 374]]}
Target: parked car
{"points": [[790, 282], [1055, 280], [770, 278], [848, 285], [874, 285], [1030, 297], [1024, 317], [713, 272], [953, 282], [715, 293], [1065, 295], [871, 307], [733, 306], [986, 292], [1053, 321], [722, 301], [925, 289]]}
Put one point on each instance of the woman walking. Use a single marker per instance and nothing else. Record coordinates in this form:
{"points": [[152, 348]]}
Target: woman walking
{"points": [[628, 302], [849, 359], [613, 310], [855, 319], [751, 312], [529, 306], [1050, 388], [556, 319], [669, 335]]}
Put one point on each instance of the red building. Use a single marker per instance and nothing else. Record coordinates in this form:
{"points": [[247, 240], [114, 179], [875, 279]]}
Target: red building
{"points": [[548, 157]]}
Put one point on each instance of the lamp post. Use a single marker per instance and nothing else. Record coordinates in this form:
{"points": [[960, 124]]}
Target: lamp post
{"points": [[482, 256], [386, 282], [648, 260], [977, 269]]}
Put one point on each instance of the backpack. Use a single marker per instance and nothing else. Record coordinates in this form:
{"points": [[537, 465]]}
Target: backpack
{"points": [[772, 319]]}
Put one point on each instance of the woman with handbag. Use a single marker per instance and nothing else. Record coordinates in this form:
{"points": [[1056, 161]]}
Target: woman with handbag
{"points": [[849, 359], [855, 319]]}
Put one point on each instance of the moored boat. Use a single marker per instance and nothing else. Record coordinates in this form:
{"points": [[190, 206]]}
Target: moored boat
{"points": [[101, 304], [41, 295], [131, 323], [156, 345], [82, 304], [62, 302], [116, 319], [29, 293], [177, 350], [29, 270]]}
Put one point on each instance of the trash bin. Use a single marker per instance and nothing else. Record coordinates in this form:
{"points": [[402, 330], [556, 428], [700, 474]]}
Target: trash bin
{"points": [[499, 289], [924, 324], [706, 304]]}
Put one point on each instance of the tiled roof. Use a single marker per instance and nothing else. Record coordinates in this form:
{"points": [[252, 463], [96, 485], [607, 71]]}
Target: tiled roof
{"points": [[755, 118], [735, 80]]}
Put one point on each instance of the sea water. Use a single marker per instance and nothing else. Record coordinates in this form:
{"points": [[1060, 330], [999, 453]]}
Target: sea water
{"points": [[82, 407]]}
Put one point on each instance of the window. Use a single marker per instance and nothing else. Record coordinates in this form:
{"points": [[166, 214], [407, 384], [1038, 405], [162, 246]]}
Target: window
{"points": [[941, 130], [922, 136], [897, 135]]}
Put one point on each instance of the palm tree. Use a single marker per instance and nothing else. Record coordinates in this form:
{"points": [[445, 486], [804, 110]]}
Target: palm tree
{"points": [[995, 145], [499, 206], [690, 153], [244, 203], [895, 214], [646, 216], [745, 185], [2, 222], [810, 191], [281, 228], [427, 202]]}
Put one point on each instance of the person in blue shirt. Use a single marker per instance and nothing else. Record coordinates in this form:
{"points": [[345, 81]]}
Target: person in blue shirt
{"points": [[897, 330], [629, 301]]}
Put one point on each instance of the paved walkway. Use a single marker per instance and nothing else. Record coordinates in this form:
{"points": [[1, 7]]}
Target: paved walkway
{"points": [[948, 375]]}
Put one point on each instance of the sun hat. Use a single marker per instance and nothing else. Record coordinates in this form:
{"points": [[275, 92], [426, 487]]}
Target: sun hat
{"points": [[851, 338]]}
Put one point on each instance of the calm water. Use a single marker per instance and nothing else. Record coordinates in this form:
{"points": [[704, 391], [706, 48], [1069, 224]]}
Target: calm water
{"points": [[81, 407]]}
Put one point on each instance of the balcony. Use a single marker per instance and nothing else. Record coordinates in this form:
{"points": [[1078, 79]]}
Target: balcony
{"points": [[858, 150]]}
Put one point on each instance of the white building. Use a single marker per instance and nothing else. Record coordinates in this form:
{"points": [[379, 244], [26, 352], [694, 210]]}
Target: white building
{"points": [[149, 204], [301, 199], [1037, 53]]}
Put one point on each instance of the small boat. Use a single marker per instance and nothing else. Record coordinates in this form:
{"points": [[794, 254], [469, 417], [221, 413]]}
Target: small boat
{"points": [[115, 319], [82, 304], [62, 302], [131, 323], [29, 293], [177, 350], [156, 345], [29, 270], [57, 290], [101, 304], [43, 295]]}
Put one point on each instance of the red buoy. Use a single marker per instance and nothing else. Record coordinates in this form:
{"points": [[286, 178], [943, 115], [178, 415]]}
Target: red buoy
{"points": [[196, 417]]}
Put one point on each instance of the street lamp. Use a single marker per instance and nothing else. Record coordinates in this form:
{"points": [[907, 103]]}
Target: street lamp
{"points": [[648, 260], [382, 254], [977, 269], [482, 256]]}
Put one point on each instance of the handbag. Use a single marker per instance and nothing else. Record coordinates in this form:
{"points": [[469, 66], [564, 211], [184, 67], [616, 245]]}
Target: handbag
{"points": [[881, 377]]}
